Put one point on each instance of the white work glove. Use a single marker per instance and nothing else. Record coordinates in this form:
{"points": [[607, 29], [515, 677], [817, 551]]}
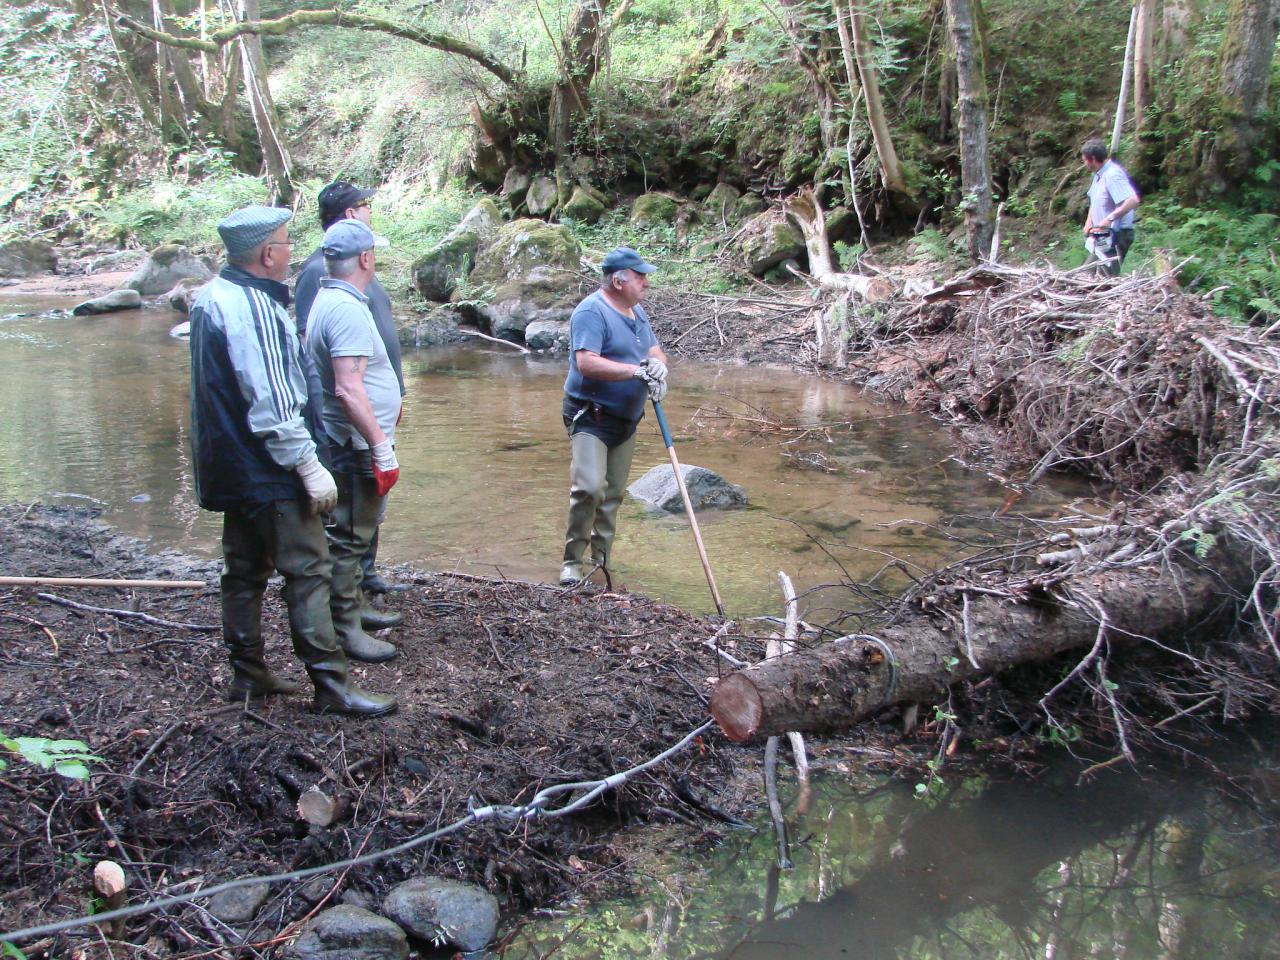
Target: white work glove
{"points": [[319, 484], [386, 469], [657, 385], [657, 369]]}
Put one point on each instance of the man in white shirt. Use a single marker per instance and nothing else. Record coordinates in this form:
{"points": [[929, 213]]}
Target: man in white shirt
{"points": [[1108, 230]]}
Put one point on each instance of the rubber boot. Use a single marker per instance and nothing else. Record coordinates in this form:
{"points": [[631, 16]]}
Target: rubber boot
{"points": [[372, 619], [302, 556], [244, 579], [355, 522], [590, 461], [251, 678], [335, 693], [615, 485]]}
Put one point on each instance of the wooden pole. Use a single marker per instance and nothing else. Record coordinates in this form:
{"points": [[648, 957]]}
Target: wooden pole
{"points": [[688, 507], [91, 582]]}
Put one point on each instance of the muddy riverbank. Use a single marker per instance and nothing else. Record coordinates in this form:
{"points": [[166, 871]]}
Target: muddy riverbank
{"points": [[505, 688]]}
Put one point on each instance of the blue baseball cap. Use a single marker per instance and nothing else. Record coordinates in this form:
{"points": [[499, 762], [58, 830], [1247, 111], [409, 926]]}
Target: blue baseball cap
{"points": [[624, 258], [349, 238], [249, 226]]}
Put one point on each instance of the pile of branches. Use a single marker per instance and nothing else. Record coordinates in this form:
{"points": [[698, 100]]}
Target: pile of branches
{"points": [[1129, 380], [1134, 382]]}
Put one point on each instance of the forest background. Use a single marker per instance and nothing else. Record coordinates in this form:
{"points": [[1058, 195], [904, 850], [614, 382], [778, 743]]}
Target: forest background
{"points": [[111, 138]]}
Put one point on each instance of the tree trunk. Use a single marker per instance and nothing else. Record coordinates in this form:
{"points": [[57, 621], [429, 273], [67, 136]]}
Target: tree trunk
{"points": [[130, 75], [833, 686], [275, 154], [173, 119], [975, 171], [1244, 80], [857, 56], [1143, 56], [1177, 19], [815, 59], [1126, 72], [581, 51]]}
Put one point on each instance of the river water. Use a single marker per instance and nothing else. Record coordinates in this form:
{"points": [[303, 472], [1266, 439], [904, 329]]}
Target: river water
{"points": [[94, 411]]}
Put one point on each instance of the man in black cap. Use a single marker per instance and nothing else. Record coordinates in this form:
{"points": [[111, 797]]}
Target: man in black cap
{"points": [[255, 462], [615, 365], [345, 201]]}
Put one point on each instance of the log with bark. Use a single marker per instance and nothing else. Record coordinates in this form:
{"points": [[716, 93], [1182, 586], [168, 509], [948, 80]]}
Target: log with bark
{"points": [[833, 686]]}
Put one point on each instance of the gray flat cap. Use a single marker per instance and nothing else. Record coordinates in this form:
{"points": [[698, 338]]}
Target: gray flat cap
{"points": [[250, 226]]}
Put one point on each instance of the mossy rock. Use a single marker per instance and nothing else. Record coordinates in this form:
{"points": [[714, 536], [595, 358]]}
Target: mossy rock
{"points": [[437, 272], [651, 209], [747, 205], [768, 240], [542, 195], [720, 203], [25, 258], [522, 245], [531, 267], [582, 206]]}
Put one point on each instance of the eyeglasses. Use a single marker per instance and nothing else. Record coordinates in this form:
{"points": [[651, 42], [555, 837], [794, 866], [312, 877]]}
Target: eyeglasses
{"points": [[282, 243], [363, 203]]}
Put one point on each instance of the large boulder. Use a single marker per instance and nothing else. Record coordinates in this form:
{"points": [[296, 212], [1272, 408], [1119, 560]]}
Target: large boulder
{"points": [[583, 207], [707, 489], [515, 185], [652, 209], [719, 205], [547, 335], [437, 273], [164, 267], [349, 933], [109, 303], [747, 205], [433, 908], [184, 294], [25, 258], [527, 273], [767, 240], [542, 196]]}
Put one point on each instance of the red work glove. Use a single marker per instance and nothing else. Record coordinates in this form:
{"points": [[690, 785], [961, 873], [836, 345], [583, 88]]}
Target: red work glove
{"points": [[386, 469]]}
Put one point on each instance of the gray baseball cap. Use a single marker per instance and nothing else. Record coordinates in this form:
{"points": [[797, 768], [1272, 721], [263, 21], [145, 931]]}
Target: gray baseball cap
{"points": [[249, 226], [349, 238]]}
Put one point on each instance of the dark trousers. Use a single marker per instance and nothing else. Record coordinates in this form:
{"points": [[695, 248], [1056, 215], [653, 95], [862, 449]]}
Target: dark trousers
{"points": [[353, 526], [280, 536]]}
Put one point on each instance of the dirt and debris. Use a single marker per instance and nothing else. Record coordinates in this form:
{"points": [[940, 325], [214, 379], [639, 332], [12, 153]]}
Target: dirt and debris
{"points": [[504, 687]]}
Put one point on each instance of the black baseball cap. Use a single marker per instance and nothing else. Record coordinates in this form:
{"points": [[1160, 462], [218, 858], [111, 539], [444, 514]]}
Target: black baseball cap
{"points": [[335, 199]]}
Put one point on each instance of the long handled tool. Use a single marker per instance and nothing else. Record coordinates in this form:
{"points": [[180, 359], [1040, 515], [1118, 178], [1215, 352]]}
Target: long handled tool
{"points": [[688, 506]]}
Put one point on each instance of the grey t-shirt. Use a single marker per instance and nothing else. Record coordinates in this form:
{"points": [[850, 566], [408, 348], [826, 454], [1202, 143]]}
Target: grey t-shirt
{"points": [[340, 325]]}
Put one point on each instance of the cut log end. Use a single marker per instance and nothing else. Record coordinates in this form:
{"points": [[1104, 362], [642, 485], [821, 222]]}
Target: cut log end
{"points": [[737, 708]]}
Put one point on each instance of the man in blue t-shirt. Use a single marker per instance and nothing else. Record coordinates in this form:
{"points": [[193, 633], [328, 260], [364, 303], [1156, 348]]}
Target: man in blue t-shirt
{"points": [[1108, 230], [615, 365]]}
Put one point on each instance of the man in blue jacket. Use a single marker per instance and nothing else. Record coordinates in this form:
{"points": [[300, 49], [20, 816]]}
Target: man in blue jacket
{"points": [[615, 365], [255, 462]]}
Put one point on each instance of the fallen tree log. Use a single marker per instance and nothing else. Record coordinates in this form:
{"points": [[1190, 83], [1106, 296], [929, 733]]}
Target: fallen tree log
{"points": [[966, 634]]}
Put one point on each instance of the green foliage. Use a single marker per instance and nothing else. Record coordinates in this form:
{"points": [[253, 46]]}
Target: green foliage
{"points": [[178, 208], [68, 758], [1232, 253], [7, 949]]}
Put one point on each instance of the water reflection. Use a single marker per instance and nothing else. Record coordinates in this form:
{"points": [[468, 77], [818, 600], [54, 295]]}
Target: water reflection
{"points": [[97, 407], [1124, 866]]}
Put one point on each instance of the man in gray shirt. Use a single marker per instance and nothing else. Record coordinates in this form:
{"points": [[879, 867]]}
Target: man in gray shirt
{"points": [[342, 200], [361, 406]]}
